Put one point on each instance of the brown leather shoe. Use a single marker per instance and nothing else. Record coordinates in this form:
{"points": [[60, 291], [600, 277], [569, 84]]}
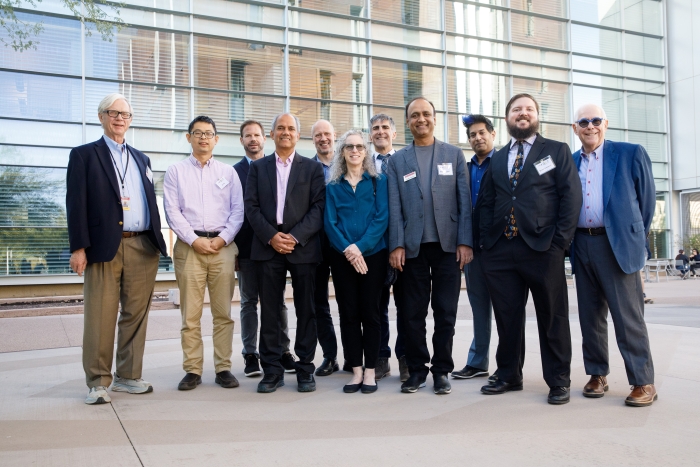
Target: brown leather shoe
{"points": [[642, 396], [596, 387]]}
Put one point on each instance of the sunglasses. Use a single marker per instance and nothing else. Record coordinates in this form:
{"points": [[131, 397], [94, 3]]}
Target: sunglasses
{"points": [[596, 121]]}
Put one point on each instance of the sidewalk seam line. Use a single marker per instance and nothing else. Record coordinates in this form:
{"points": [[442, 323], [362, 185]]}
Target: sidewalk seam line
{"points": [[127, 435]]}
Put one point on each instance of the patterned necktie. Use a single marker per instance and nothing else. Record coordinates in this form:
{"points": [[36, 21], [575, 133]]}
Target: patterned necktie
{"points": [[512, 227], [384, 159]]}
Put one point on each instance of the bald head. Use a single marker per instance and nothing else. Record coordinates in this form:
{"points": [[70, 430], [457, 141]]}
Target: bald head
{"points": [[591, 136], [590, 108], [323, 136]]}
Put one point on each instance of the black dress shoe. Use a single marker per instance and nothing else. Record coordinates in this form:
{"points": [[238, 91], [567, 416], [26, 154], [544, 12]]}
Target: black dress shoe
{"points": [[501, 387], [252, 366], [287, 362], [558, 395], [190, 381], [328, 366], [305, 381], [270, 383], [414, 382], [382, 369], [226, 379], [351, 388], [469, 372], [441, 384], [369, 389]]}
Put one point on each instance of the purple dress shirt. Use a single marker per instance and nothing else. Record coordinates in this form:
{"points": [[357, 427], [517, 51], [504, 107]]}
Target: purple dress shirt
{"points": [[207, 198], [591, 174], [283, 170]]}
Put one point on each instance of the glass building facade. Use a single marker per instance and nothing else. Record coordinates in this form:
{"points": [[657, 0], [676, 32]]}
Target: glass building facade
{"points": [[339, 60]]}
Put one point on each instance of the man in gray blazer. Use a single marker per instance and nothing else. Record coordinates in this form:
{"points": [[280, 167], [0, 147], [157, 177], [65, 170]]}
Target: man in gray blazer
{"points": [[430, 239]]}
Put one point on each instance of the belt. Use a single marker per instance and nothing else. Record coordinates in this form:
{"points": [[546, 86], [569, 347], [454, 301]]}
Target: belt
{"points": [[593, 231], [131, 234], [199, 233]]}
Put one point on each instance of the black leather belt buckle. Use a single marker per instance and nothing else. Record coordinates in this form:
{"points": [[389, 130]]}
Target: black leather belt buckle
{"points": [[200, 233]]}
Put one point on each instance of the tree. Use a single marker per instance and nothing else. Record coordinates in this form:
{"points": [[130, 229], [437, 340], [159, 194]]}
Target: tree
{"points": [[22, 35]]}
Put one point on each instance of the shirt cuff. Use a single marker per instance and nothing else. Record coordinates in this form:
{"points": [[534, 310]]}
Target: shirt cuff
{"points": [[190, 237]]}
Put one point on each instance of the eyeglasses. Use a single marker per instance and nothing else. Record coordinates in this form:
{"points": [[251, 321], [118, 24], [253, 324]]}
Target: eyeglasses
{"points": [[203, 134], [350, 147], [596, 121], [116, 113]]}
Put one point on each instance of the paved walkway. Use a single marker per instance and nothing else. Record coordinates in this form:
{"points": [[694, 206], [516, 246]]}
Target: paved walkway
{"points": [[43, 420]]}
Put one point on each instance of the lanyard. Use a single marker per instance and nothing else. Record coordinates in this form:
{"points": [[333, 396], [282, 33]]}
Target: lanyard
{"points": [[121, 178]]}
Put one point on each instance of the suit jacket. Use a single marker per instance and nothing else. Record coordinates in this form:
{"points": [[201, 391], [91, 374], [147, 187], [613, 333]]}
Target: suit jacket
{"points": [[546, 206], [244, 238], [629, 200], [451, 199], [93, 202], [303, 207], [479, 202]]}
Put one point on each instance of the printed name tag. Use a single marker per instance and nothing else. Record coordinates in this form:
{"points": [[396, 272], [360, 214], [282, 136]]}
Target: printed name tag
{"points": [[126, 206], [221, 183], [544, 165], [149, 175], [408, 177], [445, 169]]}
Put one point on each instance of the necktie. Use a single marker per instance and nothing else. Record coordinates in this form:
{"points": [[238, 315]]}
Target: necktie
{"points": [[512, 227], [384, 159]]}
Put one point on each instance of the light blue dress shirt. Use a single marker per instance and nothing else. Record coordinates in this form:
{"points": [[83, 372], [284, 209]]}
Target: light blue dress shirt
{"points": [[137, 218]]}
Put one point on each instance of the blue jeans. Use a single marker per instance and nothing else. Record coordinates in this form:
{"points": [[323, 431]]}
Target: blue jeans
{"points": [[482, 311]]}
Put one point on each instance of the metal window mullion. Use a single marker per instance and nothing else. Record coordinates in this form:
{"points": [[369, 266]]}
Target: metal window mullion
{"points": [[287, 77], [192, 60], [572, 135], [370, 64], [510, 51], [446, 124], [82, 75]]}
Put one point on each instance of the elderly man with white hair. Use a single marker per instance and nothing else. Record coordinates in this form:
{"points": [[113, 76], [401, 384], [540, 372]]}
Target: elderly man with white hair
{"points": [[608, 252], [115, 239]]}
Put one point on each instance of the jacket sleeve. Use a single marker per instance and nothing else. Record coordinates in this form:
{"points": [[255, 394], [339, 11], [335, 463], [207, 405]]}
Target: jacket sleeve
{"points": [[396, 221], [486, 203], [76, 202], [570, 197], [377, 228], [330, 221], [312, 222], [644, 186], [262, 228], [465, 234]]}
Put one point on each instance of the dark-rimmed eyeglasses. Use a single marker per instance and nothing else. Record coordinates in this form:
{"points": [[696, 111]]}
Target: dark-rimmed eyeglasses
{"points": [[116, 113], [596, 121], [350, 147], [203, 134]]}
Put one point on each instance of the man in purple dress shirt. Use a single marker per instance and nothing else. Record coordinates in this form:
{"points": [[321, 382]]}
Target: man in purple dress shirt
{"points": [[204, 207]]}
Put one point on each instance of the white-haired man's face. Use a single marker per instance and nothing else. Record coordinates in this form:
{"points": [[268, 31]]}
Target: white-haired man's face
{"points": [[116, 127], [591, 136]]}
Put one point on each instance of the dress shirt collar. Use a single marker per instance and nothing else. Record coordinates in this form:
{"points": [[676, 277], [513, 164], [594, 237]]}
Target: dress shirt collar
{"points": [[322, 163], [475, 160], [390, 153], [113, 145], [530, 140], [597, 151], [196, 163], [365, 176], [290, 159], [250, 161]]}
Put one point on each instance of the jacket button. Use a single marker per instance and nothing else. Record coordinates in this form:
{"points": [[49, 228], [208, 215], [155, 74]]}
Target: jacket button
{"points": [[513, 198], [506, 218], [121, 223]]}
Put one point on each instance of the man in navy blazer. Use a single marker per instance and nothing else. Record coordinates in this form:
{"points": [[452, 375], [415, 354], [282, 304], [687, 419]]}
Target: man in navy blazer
{"points": [[619, 198], [115, 238]]}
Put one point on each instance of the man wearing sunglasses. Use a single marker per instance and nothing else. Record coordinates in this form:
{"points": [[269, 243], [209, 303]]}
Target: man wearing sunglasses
{"points": [[619, 198]]}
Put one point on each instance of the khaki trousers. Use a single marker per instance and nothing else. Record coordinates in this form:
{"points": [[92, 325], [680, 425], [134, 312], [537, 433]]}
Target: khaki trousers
{"points": [[128, 279], [194, 272]]}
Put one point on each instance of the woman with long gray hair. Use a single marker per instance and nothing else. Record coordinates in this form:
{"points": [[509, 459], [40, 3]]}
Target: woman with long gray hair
{"points": [[356, 218]]}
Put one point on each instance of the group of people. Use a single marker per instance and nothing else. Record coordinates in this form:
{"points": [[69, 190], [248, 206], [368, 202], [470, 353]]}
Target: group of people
{"points": [[374, 219]]}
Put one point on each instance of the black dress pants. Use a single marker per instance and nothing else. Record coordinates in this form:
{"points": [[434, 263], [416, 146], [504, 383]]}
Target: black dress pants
{"points": [[324, 320], [358, 298], [399, 348], [512, 268], [272, 277], [439, 269]]}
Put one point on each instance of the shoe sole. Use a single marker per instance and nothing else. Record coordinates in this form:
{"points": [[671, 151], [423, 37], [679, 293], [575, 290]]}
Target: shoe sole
{"points": [[269, 390], [253, 373], [641, 404], [290, 371], [122, 388], [378, 377], [561, 402], [183, 387], [306, 388], [442, 392], [477, 375], [326, 373], [595, 395], [223, 384], [515, 388], [370, 391], [98, 401], [412, 390]]}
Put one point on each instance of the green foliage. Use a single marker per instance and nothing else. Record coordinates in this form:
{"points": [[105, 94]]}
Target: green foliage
{"points": [[22, 35]]}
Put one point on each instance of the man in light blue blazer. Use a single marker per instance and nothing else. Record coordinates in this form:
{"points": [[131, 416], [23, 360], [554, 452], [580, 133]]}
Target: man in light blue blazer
{"points": [[430, 240], [608, 252]]}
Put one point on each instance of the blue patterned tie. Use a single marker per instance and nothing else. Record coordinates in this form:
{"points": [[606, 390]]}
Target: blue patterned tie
{"points": [[512, 227], [384, 159]]}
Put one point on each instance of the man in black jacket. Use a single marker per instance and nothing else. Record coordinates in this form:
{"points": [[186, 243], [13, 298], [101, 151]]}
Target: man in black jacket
{"points": [[284, 200], [530, 206]]}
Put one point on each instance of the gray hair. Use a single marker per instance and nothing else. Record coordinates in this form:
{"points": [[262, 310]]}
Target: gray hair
{"points": [[338, 165], [381, 118], [110, 99], [602, 110], [296, 121]]}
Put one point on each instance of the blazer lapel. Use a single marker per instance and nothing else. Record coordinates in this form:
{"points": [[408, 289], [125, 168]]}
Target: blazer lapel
{"points": [[577, 159], [610, 158], [499, 166], [412, 163], [438, 158], [105, 159], [532, 156], [271, 168], [293, 173]]}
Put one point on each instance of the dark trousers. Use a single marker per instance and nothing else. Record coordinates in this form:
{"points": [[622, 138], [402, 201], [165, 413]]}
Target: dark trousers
{"points": [[512, 268], [358, 305], [324, 320], [602, 284], [437, 268], [272, 276], [384, 349], [480, 301]]}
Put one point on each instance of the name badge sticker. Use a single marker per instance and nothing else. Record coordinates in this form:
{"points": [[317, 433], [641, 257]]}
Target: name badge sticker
{"points": [[126, 206], [544, 165], [149, 175], [221, 183], [445, 169], [410, 176]]}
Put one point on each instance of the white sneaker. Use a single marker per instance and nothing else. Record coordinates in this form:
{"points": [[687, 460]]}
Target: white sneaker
{"points": [[132, 386], [98, 395]]}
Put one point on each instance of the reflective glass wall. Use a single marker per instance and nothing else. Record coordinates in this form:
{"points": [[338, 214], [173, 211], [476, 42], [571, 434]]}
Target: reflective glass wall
{"points": [[338, 60]]}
